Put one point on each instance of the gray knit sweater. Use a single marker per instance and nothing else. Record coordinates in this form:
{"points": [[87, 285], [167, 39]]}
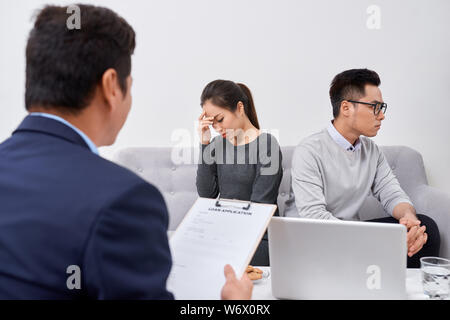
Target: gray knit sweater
{"points": [[251, 171], [329, 182]]}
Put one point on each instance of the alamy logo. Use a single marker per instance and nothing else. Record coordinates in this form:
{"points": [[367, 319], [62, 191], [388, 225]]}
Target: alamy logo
{"points": [[374, 20], [374, 280], [74, 280], [74, 20]]}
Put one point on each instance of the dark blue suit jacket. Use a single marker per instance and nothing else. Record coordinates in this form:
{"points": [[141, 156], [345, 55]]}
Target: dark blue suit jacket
{"points": [[62, 205]]}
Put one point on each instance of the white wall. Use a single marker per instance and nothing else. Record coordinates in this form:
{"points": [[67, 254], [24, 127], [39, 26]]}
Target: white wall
{"points": [[286, 51]]}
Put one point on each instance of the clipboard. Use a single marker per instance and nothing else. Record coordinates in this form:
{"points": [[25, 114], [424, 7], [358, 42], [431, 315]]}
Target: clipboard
{"points": [[213, 233], [244, 207]]}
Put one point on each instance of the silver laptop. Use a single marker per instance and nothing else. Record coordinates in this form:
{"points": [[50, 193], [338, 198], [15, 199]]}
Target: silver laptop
{"points": [[322, 259]]}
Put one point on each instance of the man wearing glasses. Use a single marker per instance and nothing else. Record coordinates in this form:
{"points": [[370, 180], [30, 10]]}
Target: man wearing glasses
{"points": [[335, 169]]}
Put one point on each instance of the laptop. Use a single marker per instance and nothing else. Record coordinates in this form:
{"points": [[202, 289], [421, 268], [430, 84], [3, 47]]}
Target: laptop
{"points": [[323, 259]]}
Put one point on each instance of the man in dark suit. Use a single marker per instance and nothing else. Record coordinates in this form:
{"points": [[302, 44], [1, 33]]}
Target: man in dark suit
{"points": [[72, 224]]}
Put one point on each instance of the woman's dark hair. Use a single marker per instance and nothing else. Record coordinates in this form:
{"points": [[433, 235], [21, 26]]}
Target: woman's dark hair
{"points": [[350, 84], [63, 66], [227, 94]]}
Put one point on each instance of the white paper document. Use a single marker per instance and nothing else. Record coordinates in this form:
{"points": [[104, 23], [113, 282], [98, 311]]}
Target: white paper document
{"points": [[211, 236]]}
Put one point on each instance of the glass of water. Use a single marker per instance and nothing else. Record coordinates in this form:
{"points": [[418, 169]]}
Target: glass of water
{"points": [[435, 277]]}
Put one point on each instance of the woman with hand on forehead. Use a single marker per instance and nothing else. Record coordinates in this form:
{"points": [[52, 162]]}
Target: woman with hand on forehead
{"points": [[242, 162]]}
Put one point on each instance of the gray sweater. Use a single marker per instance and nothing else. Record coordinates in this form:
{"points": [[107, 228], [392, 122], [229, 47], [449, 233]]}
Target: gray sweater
{"points": [[251, 171], [329, 182], [246, 172]]}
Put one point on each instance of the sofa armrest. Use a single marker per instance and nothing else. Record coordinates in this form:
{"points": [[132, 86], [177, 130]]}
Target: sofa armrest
{"points": [[435, 204]]}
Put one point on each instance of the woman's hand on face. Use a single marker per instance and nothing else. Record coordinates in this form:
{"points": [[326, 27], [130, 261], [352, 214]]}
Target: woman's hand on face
{"points": [[203, 127]]}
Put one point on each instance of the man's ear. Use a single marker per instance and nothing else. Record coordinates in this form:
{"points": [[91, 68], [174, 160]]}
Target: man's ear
{"points": [[346, 108], [110, 88]]}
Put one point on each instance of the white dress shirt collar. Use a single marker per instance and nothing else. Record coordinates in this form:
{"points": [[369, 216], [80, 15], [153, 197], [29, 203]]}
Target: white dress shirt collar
{"points": [[341, 141]]}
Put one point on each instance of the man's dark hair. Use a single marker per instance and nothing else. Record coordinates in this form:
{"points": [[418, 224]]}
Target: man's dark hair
{"points": [[349, 85], [63, 66]]}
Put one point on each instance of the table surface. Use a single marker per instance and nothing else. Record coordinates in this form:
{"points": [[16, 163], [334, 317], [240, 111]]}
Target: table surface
{"points": [[262, 289]]}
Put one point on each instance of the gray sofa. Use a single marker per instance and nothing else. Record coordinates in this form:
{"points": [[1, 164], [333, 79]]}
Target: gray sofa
{"points": [[176, 181]]}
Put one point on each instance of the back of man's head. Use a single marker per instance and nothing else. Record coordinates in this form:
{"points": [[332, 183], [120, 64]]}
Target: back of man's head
{"points": [[63, 66]]}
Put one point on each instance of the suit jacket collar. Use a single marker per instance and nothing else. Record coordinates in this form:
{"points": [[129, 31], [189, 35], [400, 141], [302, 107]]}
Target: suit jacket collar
{"points": [[51, 127]]}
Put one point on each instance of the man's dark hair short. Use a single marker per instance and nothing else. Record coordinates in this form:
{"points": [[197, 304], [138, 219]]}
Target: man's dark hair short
{"points": [[64, 66], [350, 84]]}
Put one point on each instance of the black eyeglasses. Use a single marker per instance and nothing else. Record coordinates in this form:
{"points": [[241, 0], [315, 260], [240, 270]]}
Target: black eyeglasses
{"points": [[377, 107]]}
